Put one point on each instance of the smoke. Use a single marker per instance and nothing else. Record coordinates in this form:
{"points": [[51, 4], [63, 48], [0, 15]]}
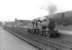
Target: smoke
{"points": [[52, 8]]}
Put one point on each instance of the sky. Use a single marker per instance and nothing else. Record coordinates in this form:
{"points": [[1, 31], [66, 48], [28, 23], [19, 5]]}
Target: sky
{"points": [[29, 9]]}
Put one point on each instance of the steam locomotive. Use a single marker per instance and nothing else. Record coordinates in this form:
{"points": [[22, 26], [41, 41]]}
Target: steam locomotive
{"points": [[45, 28]]}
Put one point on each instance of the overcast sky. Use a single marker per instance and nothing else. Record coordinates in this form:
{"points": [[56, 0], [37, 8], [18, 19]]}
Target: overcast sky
{"points": [[29, 9]]}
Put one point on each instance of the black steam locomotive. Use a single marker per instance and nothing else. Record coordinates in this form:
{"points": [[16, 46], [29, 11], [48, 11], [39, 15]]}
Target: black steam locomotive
{"points": [[45, 29]]}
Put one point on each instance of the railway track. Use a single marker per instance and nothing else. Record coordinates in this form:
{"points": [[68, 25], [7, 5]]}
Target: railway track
{"points": [[58, 44], [61, 41], [32, 42]]}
